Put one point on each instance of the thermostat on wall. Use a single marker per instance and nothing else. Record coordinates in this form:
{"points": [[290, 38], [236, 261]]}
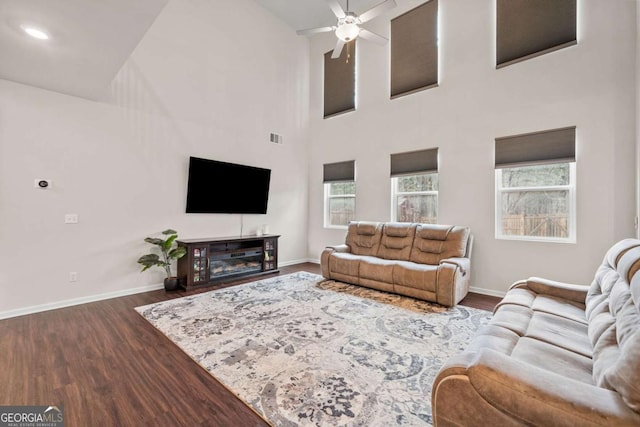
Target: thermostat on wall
{"points": [[42, 183]]}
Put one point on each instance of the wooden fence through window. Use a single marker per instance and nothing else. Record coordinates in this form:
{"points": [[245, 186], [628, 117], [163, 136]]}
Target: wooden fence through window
{"points": [[536, 225]]}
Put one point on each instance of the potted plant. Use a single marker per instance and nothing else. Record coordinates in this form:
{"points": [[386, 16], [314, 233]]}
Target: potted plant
{"points": [[168, 252]]}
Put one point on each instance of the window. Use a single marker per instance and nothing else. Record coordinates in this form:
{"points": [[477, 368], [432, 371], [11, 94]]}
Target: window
{"points": [[529, 28], [339, 194], [415, 198], [340, 81], [535, 186], [414, 186], [414, 50]]}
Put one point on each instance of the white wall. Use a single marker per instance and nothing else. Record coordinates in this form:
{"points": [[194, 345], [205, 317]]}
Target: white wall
{"points": [[198, 84], [590, 86], [637, 121]]}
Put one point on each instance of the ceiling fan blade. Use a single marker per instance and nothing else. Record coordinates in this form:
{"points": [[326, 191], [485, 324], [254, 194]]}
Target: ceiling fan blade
{"points": [[377, 10], [311, 31], [337, 50], [372, 37], [336, 9]]}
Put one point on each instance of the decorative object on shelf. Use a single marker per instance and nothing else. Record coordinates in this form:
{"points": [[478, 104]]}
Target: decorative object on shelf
{"points": [[168, 253]]}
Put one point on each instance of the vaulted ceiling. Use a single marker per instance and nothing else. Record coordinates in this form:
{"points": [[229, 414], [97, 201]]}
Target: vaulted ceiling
{"points": [[88, 43], [89, 40], [301, 14]]}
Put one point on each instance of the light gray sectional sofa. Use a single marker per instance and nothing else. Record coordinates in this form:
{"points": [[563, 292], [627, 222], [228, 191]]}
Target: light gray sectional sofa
{"points": [[429, 262], [554, 354]]}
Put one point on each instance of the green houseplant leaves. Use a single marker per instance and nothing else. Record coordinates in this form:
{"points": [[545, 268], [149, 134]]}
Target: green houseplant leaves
{"points": [[167, 252]]}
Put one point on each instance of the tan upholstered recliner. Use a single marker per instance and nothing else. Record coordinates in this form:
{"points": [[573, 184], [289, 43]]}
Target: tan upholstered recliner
{"points": [[554, 354], [430, 262]]}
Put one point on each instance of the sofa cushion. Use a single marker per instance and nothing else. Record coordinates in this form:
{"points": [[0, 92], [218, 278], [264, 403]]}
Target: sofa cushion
{"points": [[437, 242], [560, 332], [344, 263], [553, 359], [561, 308], [418, 276], [377, 269], [397, 240], [364, 237]]}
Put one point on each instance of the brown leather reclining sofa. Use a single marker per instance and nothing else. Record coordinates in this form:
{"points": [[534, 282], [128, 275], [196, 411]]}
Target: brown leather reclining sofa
{"points": [[425, 261], [554, 354]]}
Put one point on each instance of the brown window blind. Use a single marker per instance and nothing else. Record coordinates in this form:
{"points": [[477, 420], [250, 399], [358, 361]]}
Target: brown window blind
{"points": [[414, 162], [341, 171], [529, 28], [551, 146], [414, 50], [340, 81]]}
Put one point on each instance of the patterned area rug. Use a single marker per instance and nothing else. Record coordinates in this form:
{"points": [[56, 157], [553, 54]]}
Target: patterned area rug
{"points": [[304, 351]]}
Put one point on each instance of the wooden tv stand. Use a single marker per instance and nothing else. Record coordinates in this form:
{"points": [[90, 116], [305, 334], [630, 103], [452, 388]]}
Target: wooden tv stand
{"points": [[215, 260]]}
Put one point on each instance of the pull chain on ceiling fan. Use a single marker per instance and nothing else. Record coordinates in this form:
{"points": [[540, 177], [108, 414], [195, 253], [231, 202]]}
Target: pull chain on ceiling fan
{"points": [[348, 25]]}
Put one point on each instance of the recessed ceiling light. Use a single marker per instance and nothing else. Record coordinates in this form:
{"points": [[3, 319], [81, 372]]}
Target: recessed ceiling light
{"points": [[35, 33]]}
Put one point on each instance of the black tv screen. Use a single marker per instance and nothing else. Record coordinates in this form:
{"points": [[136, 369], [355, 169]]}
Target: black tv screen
{"points": [[220, 187]]}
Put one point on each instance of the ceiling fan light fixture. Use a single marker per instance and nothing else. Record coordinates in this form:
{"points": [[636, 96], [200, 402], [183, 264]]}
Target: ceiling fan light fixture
{"points": [[35, 32], [347, 31]]}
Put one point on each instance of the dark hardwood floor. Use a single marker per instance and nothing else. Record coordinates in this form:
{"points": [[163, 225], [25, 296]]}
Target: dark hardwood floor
{"points": [[108, 367]]}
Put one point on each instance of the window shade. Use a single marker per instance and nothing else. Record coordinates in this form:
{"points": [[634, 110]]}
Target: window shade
{"points": [[340, 81], [528, 28], [414, 50], [341, 171], [552, 146], [413, 162]]}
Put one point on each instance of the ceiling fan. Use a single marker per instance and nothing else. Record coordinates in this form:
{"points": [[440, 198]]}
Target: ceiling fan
{"points": [[348, 25]]}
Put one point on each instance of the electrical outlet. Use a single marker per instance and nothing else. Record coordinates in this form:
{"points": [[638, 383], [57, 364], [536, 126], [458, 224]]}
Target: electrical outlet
{"points": [[71, 219], [73, 276]]}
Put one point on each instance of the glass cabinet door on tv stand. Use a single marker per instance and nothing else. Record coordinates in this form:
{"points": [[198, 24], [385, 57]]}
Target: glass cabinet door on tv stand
{"points": [[270, 254], [200, 264]]}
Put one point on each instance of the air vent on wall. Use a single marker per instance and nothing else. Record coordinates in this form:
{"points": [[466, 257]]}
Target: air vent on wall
{"points": [[275, 138]]}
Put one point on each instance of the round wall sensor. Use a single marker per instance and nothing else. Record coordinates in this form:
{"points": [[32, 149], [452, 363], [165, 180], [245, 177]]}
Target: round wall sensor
{"points": [[42, 183]]}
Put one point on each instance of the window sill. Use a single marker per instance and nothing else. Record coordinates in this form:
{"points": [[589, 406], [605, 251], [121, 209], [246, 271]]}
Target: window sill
{"points": [[537, 239], [336, 227]]}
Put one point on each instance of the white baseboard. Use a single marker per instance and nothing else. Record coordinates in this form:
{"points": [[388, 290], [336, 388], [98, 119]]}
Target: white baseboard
{"points": [[124, 292], [490, 292], [93, 298], [77, 301], [294, 262]]}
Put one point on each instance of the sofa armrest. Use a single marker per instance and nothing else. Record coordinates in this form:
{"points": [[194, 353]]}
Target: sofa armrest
{"points": [[532, 395], [462, 263], [326, 254], [544, 396], [568, 291], [339, 248], [452, 283]]}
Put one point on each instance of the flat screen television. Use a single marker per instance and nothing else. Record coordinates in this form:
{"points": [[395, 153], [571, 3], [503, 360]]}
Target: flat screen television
{"points": [[220, 187]]}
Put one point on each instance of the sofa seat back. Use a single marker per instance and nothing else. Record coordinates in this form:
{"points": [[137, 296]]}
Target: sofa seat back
{"points": [[433, 243], [397, 241], [613, 313], [363, 238]]}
